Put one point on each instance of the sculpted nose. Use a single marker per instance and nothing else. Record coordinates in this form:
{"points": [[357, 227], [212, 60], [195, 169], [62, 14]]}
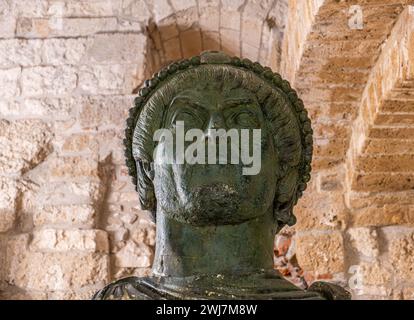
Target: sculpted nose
{"points": [[216, 121]]}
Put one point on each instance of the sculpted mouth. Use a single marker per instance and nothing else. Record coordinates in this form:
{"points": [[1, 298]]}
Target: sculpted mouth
{"points": [[216, 189], [218, 202]]}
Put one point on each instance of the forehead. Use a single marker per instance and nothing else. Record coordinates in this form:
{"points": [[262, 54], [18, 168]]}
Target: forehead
{"points": [[213, 86], [207, 82], [213, 96]]}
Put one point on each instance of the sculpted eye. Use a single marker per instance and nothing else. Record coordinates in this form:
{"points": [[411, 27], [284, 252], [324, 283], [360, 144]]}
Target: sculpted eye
{"points": [[190, 119], [184, 116], [245, 119]]}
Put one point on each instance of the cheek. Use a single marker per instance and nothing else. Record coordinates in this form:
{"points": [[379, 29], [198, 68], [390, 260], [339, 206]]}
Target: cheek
{"points": [[260, 189], [270, 158], [163, 180], [270, 167]]}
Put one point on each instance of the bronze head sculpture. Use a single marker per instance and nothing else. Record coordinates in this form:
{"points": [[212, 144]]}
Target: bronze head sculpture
{"points": [[215, 224]]}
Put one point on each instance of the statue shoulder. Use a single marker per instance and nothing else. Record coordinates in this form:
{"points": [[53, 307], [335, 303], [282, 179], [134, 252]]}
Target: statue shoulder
{"points": [[130, 288], [330, 291]]}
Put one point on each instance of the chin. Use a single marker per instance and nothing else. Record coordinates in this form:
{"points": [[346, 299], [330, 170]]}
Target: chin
{"points": [[213, 205]]}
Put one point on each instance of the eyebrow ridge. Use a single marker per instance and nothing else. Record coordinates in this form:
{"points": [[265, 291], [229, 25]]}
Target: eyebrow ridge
{"points": [[232, 101], [191, 100]]}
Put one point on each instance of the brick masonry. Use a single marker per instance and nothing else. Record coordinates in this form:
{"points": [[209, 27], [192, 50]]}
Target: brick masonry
{"points": [[69, 216], [357, 84]]}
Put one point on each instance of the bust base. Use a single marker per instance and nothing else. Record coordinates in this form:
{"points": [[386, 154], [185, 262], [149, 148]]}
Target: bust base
{"points": [[254, 286]]}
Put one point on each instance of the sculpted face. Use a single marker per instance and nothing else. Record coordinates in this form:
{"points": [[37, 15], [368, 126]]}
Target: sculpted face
{"points": [[215, 194], [216, 220], [233, 96]]}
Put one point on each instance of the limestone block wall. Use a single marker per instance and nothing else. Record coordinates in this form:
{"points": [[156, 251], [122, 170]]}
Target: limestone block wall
{"points": [[69, 220], [69, 70]]}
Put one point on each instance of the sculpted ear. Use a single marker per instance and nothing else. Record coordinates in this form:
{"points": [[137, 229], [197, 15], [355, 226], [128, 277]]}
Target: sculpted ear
{"points": [[286, 198], [145, 187]]}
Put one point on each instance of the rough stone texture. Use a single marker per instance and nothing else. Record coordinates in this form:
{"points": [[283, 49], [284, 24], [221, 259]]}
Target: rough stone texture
{"points": [[401, 257], [365, 241], [133, 256], [237, 28], [27, 268], [321, 211], [24, 144], [73, 166], [386, 215], [68, 73], [76, 215], [52, 240], [323, 253], [48, 80], [357, 86], [8, 198], [375, 280], [7, 219], [68, 70], [381, 120], [375, 274], [9, 82]]}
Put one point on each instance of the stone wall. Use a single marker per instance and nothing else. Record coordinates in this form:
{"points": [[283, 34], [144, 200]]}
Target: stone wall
{"points": [[354, 222], [69, 216], [69, 69]]}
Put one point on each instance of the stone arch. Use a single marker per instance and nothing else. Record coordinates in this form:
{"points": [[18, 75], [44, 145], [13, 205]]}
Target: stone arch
{"points": [[249, 29], [330, 64], [380, 159]]}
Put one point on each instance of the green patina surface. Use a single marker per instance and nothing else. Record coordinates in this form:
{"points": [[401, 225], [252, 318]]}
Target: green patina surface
{"points": [[215, 226]]}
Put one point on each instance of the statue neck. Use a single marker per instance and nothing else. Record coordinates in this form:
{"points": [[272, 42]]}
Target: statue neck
{"points": [[183, 250]]}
